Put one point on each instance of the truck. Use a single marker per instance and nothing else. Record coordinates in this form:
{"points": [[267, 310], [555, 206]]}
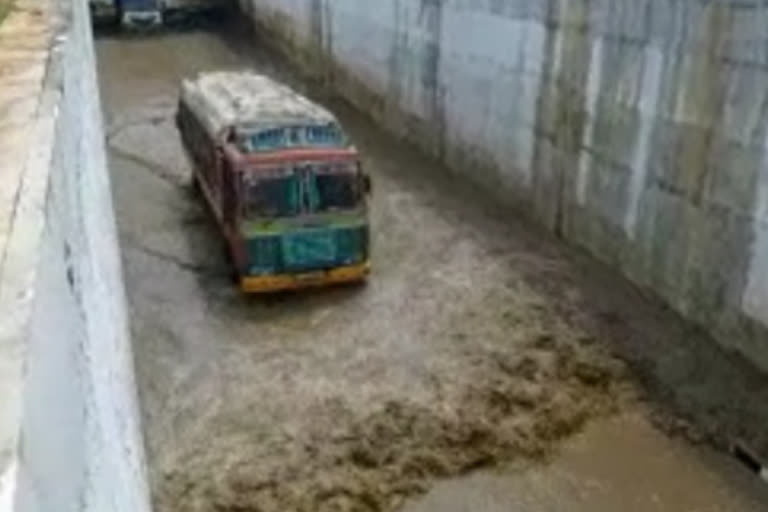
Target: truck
{"points": [[282, 179]]}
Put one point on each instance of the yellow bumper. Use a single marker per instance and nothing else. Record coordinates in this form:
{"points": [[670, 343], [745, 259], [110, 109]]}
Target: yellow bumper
{"points": [[283, 282]]}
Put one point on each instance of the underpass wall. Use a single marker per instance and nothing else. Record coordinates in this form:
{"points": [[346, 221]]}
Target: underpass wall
{"points": [[635, 129], [73, 442]]}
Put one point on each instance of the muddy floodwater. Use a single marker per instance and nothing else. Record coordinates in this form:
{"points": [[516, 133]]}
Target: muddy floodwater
{"points": [[482, 368]]}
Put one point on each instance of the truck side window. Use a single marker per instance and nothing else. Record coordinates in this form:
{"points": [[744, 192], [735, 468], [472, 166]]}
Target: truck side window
{"points": [[295, 136]]}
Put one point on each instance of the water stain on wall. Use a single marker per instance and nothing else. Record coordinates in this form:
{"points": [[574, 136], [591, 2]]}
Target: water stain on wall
{"points": [[700, 102], [396, 62], [431, 18], [561, 108], [321, 37]]}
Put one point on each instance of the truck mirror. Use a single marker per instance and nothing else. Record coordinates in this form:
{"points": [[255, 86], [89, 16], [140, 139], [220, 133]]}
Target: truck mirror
{"points": [[367, 185]]}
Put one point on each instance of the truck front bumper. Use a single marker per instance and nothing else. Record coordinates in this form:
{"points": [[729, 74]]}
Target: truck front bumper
{"points": [[284, 282]]}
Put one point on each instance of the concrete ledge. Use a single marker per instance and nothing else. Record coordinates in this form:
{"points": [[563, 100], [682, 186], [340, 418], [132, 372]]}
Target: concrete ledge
{"points": [[26, 36], [70, 435]]}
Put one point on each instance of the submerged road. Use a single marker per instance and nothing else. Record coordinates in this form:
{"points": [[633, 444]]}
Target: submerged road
{"points": [[477, 344]]}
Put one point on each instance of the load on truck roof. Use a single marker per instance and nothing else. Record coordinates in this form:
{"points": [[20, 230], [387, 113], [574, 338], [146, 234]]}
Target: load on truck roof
{"points": [[247, 101]]}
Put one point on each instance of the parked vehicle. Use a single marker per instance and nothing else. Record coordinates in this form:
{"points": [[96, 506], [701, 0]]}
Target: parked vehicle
{"points": [[103, 11], [174, 10], [140, 14], [281, 178]]}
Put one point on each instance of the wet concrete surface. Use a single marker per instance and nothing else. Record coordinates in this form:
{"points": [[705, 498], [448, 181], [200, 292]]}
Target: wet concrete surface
{"points": [[619, 464], [476, 344]]}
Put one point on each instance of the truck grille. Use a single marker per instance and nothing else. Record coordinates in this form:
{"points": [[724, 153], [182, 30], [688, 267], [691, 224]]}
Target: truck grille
{"points": [[307, 250]]}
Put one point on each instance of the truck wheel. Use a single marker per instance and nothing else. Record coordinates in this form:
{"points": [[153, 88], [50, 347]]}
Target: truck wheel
{"points": [[232, 273], [195, 185]]}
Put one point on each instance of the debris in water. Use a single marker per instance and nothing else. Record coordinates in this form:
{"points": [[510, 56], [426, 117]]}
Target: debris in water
{"points": [[515, 407]]}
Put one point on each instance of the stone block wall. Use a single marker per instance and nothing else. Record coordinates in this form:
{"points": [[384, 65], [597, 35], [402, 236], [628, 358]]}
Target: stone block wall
{"points": [[636, 129]]}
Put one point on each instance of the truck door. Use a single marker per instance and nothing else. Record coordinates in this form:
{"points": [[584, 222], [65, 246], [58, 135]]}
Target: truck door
{"points": [[229, 196]]}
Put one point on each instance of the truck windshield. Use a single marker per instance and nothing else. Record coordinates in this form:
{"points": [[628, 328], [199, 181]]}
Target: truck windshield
{"points": [[296, 190], [271, 196], [335, 187]]}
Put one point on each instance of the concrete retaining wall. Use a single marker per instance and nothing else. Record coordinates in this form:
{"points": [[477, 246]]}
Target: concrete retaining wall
{"points": [[633, 128], [74, 443]]}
